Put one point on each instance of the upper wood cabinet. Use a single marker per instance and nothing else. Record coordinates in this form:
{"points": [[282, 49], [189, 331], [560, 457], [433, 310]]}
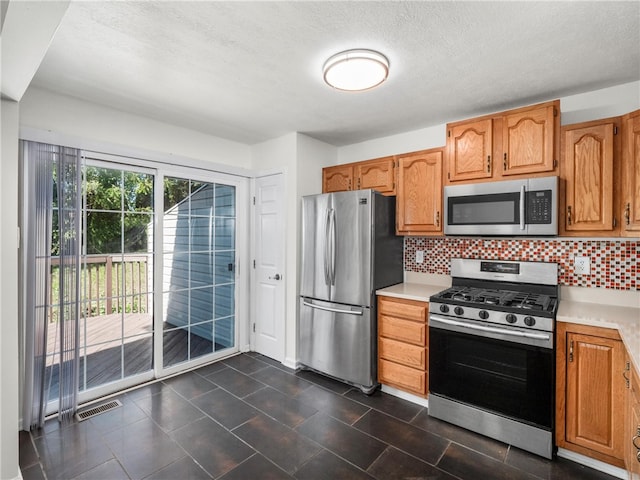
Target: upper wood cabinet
{"points": [[377, 174], [469, 150], [337, 179], [520, 142], [529, 140], [631, 176], [590, 394], [419, 195], [589, 178]]}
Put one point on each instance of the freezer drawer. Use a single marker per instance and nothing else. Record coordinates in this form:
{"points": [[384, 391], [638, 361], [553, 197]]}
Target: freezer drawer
{"points": [[338, 340]]}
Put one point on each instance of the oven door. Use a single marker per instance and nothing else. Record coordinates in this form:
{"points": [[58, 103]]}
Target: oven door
{"points": [[502, 370]]}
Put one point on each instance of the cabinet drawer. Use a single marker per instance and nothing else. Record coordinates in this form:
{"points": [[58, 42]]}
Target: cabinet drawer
{"points": [[406, 378], [407, 309], [410, 355], [403, 330]]}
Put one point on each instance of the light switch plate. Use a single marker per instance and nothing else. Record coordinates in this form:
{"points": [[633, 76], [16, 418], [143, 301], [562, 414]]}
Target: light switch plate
{"points": [[419, 256], [582, 265]]}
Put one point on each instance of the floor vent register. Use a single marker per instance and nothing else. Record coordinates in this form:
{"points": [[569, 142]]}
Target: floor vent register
{"points": [[97, 410]]}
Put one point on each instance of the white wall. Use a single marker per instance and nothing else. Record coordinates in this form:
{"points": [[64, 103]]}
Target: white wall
{"points": [[9, 339], [301, 159], [604, 103], [68, 121]]}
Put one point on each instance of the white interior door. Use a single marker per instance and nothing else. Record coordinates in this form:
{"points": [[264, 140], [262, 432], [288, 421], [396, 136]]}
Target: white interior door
{"points": [[268, 320]]}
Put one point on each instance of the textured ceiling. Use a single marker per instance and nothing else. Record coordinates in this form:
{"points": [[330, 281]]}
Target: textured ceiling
{"points": [[251, 71]]}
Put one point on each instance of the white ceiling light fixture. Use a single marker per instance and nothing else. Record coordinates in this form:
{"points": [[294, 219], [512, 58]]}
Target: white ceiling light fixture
{"points": [[356, 70]]}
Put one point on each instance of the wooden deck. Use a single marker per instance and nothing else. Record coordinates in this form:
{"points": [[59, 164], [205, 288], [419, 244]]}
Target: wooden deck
{"points": [[107, 358]]}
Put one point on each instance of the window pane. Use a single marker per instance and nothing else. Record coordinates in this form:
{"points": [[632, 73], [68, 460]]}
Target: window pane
{"points": [[176, 272], [138, 354], [224, 267], [225, 233], [225, 201], [175, 346], [104, 232], [138, 228], [201, 340], [225, 300], [138, 192], [176, 191], [202, 199], [201, 306], [201, 234], [201, 269], [176, 232], [224, 333], [177, 307]]}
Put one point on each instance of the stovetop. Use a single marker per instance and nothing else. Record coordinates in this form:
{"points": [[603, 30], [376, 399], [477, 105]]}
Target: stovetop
{"points": [[502, 300], [510, 293]]}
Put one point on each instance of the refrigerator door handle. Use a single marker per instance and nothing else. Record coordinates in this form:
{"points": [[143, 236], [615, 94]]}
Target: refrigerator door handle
{"points": [[330, 309], [332, 235], [327, 273]]}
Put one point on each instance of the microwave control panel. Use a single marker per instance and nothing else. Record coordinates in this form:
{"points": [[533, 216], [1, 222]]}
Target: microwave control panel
{"points": [[538, 208]]}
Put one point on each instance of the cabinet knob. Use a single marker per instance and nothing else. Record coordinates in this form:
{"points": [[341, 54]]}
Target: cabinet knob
{"points": [[569, 214], [627, 213], [488, 163]]}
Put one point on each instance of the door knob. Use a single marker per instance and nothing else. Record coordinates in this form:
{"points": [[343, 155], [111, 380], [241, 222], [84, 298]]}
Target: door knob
{"points": [[275, 277]]}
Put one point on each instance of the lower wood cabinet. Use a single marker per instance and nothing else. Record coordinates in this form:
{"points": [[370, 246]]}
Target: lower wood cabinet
{"points": [[632, 422], [590, 392], [403, 344]]}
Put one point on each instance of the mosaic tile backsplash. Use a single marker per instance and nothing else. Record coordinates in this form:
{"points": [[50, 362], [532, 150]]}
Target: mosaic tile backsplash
{"points": [[614, 264]]}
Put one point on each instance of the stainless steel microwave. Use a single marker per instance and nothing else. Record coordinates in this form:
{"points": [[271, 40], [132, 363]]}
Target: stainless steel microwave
{"points": [[514, 207]]}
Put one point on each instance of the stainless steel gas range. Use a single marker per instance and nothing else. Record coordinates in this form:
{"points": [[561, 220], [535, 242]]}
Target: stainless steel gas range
{"points": [[492, 351]]}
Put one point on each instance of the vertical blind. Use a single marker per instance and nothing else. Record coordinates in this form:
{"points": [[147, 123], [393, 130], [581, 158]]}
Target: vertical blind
{"points": [[53, 214]]}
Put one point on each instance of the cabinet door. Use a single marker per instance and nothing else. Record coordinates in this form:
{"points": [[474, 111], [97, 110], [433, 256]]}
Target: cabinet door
{"points": [[632, 423], [595, 394], [587, 172], [528, 141], [469, 150], [419, 195], [631, 176], [337, 179], [377, 174]]}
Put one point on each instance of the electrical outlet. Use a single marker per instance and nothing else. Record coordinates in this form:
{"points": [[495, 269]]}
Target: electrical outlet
{"points": [[419, 256], [582, 265]]}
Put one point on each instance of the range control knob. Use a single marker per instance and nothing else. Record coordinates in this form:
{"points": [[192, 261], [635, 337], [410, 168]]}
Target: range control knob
{"points": [[458, 310], [529, 321], [444, 308], [511, 318], [483, 314]]}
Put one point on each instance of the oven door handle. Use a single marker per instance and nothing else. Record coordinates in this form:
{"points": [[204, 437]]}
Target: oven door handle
{"points": [[513, 333]]}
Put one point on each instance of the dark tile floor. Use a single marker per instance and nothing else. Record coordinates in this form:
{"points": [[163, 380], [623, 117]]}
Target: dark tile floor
{"points": [[249, 417]]}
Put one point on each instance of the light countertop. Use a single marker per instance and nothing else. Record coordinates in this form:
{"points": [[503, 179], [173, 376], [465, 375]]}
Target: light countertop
{"points": [[626, 319], [411, 291]]}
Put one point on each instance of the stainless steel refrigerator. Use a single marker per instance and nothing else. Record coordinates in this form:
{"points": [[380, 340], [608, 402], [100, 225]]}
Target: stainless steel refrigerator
{"points": [[349, 250]]}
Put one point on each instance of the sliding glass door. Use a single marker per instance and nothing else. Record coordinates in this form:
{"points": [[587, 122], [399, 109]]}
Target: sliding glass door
{"points": [[154, 279], [116, 325], [199, 257]]}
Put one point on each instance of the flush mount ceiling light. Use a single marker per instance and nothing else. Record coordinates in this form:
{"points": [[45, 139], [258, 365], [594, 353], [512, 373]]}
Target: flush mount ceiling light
{"points": [[356, 70]]}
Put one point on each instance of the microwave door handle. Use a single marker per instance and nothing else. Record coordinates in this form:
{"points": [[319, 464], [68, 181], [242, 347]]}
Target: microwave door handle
{"points": [[522, 200]]}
